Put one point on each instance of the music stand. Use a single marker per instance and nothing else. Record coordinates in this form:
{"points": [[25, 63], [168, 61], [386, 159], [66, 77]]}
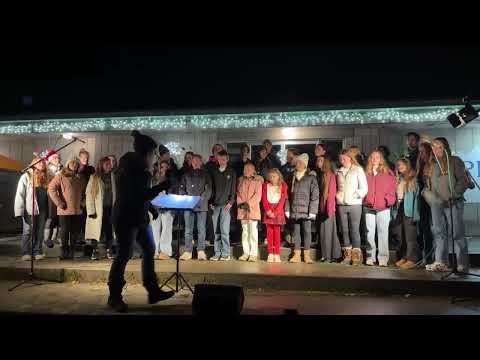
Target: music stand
{"points": [[174, 203]]}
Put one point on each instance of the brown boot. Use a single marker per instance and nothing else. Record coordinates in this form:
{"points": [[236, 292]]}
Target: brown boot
{"points": [[306, 257], [357, 257], [296, 258], [347, 256]]}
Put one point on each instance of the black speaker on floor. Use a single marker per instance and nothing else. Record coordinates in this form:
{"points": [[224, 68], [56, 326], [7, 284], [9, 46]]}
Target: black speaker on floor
{"points": [[217, 300]]}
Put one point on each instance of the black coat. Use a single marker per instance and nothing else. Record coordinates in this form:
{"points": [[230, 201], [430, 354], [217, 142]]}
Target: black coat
{"points": [[133, 191], [197, 183]]}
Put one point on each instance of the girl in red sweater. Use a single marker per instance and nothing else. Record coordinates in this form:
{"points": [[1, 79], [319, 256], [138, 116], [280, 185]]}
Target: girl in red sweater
{"points": [[273, 200]]}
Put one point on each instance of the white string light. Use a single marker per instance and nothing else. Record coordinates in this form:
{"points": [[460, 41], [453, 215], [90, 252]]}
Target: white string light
{"points": [[232, 121]]}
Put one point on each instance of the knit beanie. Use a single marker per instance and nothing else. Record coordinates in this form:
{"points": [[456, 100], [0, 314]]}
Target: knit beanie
{"points": [[143, 144], [162, 149], [303, 158]]}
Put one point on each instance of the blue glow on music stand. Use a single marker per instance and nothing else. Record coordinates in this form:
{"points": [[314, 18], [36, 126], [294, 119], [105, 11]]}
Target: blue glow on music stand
{"points": [[172, 201]]}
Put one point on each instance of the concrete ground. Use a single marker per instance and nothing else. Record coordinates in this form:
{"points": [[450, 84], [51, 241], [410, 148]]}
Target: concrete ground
{"points": [[90, 299]]}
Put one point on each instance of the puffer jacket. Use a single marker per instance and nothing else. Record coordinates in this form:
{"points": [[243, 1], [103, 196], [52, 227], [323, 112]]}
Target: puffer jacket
{"points": [[197, 182], [352, 185], [303, 196], [24, 197], [381, 191]]}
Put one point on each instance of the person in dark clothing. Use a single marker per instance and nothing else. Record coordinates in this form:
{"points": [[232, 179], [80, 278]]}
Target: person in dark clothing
{"points": [[244, 158], [413, 141], [196, 182], [263, 163], [289, 168], [84, 171], [164, 155], [271, 154], [131, 220], [187, 164], [386, 154], [224, 195], [212, 162]]}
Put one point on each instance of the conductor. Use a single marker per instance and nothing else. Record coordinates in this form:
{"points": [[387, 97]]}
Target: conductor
{"points": [[133, 193]]}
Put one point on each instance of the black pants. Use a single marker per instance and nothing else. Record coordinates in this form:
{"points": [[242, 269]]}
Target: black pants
{"points": [[425, 232], [107, 229], [404, 231], [69, 230], [126, 237]]}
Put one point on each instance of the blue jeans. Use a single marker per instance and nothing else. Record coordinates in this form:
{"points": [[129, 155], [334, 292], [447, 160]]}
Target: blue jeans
{"points": [[126, 237], [39, 229], [222, 237], [442, 230], [377, 222], [201, 217]]}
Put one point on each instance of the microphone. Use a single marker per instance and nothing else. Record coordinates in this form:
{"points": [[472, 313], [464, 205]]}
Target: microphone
{"points": [[69, 136]]}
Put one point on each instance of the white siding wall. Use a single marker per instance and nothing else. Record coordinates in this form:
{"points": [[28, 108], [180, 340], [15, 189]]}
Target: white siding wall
{"points": [[201, 141]]}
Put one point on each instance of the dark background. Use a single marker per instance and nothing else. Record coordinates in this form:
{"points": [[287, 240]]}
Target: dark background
{"points": [[189, 77]]}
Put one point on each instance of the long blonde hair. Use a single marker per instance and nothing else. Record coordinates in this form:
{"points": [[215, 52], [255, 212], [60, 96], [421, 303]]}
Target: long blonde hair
{"points": [[95, 178], [41, 177], [352, 154], [382, 167], [409, 177], [442, 162], [280, 177]]}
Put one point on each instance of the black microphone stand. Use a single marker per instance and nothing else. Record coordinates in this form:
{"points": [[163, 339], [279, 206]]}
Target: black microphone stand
{"points": [[32, 278], [179, 279]]}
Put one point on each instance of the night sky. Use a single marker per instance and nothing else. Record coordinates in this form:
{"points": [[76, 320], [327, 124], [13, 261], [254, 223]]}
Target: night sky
{"points": [[202, 77]]}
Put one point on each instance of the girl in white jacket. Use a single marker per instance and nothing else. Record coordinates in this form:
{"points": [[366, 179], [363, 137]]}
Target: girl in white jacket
{"points": [[351, 189]]}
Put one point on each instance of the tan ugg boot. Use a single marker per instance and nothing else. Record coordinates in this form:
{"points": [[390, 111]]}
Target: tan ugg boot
{"points": [[347, 256], [357, 257], [296, 258], [306, 257]]}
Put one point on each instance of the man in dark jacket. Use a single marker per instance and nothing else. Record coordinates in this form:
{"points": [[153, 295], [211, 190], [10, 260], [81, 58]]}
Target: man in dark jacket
{"points": [[413, 140], [288, 169], [131, 220], [196, 182], [271, 154], [224, 181]]}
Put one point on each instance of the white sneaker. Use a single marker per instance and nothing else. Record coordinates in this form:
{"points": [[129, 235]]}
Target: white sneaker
{"points": [[437, 267], [224, 258], [215, 258], [39, 257], [244, 257], [201, 255], [383, 263], [186, 256], [252, 258], [271, 258], [462, 268], [370, 262], [26, 257], [277, 258]]}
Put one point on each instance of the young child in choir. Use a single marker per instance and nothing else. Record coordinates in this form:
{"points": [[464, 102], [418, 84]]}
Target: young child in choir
{"points": [[99, 203], [196, 182], [380, 197], [224, 180], [351, 189], [162, 226], [406, 215], [66, 191], [327, 223], [274, 195], [24, 208], [249, 195], [302, 207]]}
